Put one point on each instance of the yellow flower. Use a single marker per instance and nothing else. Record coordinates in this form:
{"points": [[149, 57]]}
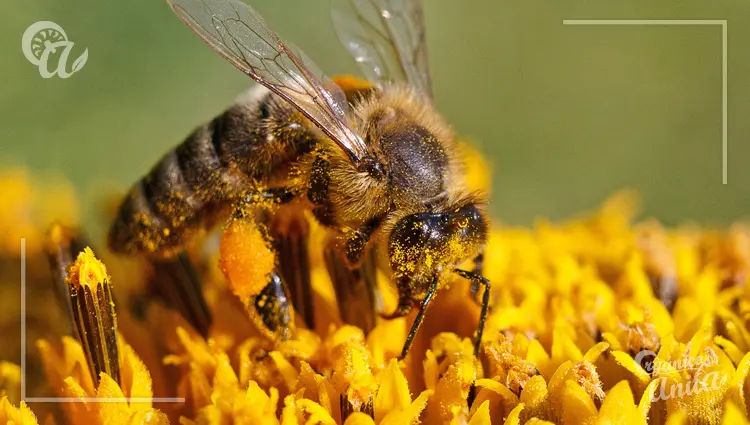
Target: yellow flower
{"points": [[16, 415], [598, 320], [126, 403]]}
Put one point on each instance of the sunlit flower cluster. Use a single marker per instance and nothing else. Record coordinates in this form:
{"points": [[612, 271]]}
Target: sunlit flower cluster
{"points": [[601, 319]]}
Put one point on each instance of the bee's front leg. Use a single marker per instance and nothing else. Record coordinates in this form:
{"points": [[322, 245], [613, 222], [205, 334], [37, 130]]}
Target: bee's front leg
{"points": [[477, 270], [478, 279], [356, 240], [405, 305]]}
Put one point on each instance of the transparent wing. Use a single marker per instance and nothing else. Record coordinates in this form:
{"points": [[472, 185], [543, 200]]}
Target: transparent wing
{"points": [[241, 36], [386, 38]]}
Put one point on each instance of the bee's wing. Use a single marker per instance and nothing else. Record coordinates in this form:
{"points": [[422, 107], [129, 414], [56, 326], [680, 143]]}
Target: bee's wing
{"points": [[386, 38], [242, 37]]}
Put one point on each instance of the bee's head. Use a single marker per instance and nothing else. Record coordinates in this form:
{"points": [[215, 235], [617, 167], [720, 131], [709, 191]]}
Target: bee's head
{"points": [[425, 243]]}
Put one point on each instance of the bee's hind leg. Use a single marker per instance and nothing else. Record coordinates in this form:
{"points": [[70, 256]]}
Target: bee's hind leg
{"points": [[290, 232], [285, 234], [271, 308]]}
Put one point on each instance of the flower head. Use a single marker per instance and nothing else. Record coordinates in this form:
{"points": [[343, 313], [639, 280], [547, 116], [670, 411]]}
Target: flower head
{"points": [[598, 320]]}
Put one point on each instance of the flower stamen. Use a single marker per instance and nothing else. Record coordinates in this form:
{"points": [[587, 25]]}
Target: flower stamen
{"points": [[90, 292]]}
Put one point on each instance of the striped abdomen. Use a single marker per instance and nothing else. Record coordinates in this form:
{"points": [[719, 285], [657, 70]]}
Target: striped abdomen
{"points": [[250, 142]]}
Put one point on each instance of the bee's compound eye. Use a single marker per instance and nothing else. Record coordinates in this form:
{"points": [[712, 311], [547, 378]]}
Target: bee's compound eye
{"points": [[469, 222]]}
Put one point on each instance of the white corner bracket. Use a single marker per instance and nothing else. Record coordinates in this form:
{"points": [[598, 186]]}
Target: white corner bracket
{"points": [[717, 22]]}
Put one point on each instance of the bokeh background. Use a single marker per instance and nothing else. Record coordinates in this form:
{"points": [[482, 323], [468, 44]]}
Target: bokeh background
{"points": [[566, 115]]}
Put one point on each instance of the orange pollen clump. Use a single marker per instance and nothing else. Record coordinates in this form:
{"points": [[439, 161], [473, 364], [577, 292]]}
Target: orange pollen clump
{"points": [[245, 258]]}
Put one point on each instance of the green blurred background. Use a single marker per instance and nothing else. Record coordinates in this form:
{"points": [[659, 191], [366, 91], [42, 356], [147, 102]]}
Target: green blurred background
{"points": [[566, 114]]}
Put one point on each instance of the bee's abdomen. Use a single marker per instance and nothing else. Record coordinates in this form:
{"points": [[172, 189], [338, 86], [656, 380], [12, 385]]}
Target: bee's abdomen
{"points": [[244, 145], [155, 214]]}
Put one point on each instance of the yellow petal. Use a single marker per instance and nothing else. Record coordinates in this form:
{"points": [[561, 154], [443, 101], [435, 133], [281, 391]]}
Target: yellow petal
{"points": [[612, 340], [386, 340], [678, 417], [538, 356], [535, 397], [21, 415], [626, 361], [594, 352], [618, 406], [577, 406], [648, 397], [149, 417], [739, 379], [733, 415], [498, 388], [111, 412], [289, 413], [318, 388], [285, 368], [317, 414], [134, 377], [730, 348], [431, 370], [411, 414], [563, 347], [393, 393], [514, 418], [10, 381], [359, 418]]}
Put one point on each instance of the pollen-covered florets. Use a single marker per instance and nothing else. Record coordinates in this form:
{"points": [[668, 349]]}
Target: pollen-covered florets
{"points": [[581, 330]]}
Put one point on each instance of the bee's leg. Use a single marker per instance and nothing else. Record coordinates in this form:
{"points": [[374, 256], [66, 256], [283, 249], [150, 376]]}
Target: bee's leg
{"points": [[290, 233], [355, 286], [317, 194], [477, 270], [357, 239], [259, 198], [420, 316], [271, 308], [473, 277], [176, 281]]}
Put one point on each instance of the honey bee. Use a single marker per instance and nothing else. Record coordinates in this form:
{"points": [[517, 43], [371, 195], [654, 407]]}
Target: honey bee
{"points": [[378, 166]]}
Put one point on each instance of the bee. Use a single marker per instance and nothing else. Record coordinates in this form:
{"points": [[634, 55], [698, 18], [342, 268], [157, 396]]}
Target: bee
{"points": [[378, 166]]}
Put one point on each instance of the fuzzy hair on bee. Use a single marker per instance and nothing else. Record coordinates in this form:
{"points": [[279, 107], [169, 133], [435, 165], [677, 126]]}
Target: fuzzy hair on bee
{"points": [[416, 147], [376, 164]]}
